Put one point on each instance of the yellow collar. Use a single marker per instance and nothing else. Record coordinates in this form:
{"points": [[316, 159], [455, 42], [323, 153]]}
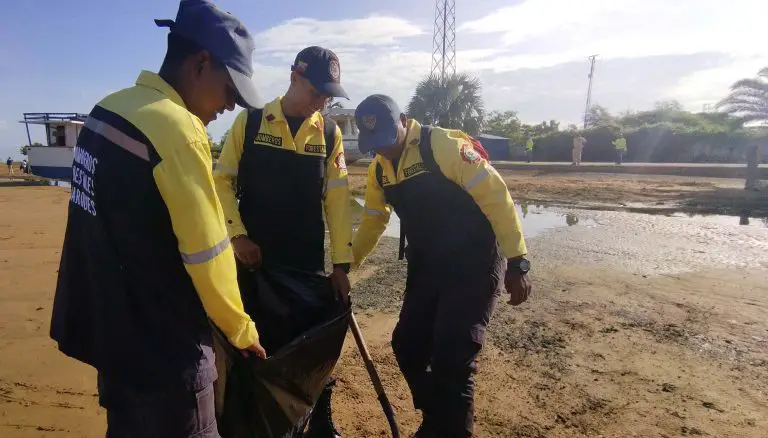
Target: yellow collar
{"points": [[413, 134], [273, 112], [153, 80]]}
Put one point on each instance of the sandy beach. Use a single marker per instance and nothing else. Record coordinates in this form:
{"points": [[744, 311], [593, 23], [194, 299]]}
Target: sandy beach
{"points": [[647, 326]]}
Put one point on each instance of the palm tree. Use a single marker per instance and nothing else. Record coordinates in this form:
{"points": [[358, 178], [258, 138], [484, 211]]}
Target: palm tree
{"points": [[748, 99], [455, 102], [333, 103]]}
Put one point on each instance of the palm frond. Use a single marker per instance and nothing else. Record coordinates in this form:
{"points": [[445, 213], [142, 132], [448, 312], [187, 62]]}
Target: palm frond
{"points": [[748, 99]]}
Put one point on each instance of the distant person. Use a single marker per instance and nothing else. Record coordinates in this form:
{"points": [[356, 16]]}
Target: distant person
{"points": [[621, 148], [529, 148], [9, 163], [23, 166], [465, 246], [146, 258], [578, 147], [753, 169]]}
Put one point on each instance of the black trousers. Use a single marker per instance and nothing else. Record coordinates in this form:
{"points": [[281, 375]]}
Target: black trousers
{"points": [[438, 337], [170, 414]]}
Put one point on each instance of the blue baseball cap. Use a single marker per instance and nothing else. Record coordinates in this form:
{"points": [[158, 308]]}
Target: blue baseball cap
{"points": [[321, 68], [377, 118], [224, 37]]}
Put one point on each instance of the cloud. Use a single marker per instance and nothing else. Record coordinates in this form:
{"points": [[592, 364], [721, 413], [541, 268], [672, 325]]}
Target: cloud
{"points": [[286, 38], [532, 56], [546, 32]]}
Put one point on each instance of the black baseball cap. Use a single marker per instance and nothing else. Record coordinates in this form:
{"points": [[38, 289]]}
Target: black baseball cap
{"points": [[321, 68], [377, 118], [224, 37]]}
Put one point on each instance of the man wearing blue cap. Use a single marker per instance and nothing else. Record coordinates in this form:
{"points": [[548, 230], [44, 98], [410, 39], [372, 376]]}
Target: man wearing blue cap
{"points": [[146, 258], [465, 244], [281, 170]]}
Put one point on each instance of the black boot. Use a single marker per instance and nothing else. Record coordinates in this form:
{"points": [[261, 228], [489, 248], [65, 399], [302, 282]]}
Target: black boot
{"points": [[321, 424], [426, 430]]}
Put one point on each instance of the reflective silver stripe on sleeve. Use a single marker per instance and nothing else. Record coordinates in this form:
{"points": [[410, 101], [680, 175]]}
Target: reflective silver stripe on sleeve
{"points": [[334, 183], [373, 212], [112, 134], [219, 168], [206, 254], [481, 175]]}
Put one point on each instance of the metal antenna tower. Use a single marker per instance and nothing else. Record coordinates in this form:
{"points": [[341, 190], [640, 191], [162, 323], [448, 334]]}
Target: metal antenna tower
{"points": [[444, 40], [589, 89]]}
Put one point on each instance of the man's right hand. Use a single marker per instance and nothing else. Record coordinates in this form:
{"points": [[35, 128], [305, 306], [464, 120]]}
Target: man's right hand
{"points": [[255, 349], [246, 251]]}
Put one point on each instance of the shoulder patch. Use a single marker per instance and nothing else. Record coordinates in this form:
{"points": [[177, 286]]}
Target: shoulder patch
{"points": [[415, 141], [341, 163], [469, 154], [270, 117]]}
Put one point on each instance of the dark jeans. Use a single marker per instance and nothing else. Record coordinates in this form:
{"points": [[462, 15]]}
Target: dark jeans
{"points": [[442, 327], [619, 156], [171, 414]]}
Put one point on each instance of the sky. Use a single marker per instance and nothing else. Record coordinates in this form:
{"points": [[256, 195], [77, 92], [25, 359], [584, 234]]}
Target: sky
{"points": [[531, 55]]}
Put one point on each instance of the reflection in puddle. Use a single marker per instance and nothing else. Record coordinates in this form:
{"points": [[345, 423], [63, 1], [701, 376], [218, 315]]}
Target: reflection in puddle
{"points": [[536, 219]]}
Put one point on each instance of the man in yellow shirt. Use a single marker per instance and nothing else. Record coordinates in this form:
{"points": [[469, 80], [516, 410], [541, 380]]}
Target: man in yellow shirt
{"points": [[146, 259], [465, 244], [621, 148], [281, 168]]}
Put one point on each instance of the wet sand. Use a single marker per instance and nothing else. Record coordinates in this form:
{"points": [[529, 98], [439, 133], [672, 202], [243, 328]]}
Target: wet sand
{"points": [[640, 326], [640, 193]]}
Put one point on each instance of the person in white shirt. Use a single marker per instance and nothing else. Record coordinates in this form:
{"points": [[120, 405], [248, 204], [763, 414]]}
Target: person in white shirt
{"points": [[578, 146]]}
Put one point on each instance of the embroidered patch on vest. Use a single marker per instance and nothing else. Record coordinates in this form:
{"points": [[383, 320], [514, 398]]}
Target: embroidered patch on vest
{"points": [[314, 148], [270, 117], [413, 170], [268, 139]]}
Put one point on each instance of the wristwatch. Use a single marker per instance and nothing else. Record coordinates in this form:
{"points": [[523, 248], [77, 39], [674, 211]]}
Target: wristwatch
{"points": [[521, 265]]}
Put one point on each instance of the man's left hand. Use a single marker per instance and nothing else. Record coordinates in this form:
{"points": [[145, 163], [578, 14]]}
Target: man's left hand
{"points": [[340, 283], [518, 286]]}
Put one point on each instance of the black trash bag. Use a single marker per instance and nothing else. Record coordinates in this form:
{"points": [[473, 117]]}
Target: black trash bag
{"points": [[302, 324]]}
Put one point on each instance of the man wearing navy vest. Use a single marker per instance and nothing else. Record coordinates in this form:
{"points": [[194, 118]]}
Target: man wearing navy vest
{"points": [[146, 260], [281, 170], [465, 244]]}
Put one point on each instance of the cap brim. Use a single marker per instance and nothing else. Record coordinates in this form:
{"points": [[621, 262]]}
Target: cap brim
{"points": [[247, 96], [331, 89], [370, 141]]}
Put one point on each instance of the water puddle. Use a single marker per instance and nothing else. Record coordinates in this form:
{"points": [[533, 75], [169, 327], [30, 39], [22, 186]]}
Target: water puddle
{"points": [[536, 220]]}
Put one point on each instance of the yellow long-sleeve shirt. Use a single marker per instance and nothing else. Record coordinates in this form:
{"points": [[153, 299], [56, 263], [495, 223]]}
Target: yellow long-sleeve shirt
{"points": [[338, 211], [169, 145], [459, 163]]}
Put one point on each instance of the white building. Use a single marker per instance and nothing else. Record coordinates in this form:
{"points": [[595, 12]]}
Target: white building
{"points": [[345, 118], [54, 159]]}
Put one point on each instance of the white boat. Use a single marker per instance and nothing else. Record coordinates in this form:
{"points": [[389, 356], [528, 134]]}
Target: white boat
{"points": [[54, 159], [345, 118]]}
